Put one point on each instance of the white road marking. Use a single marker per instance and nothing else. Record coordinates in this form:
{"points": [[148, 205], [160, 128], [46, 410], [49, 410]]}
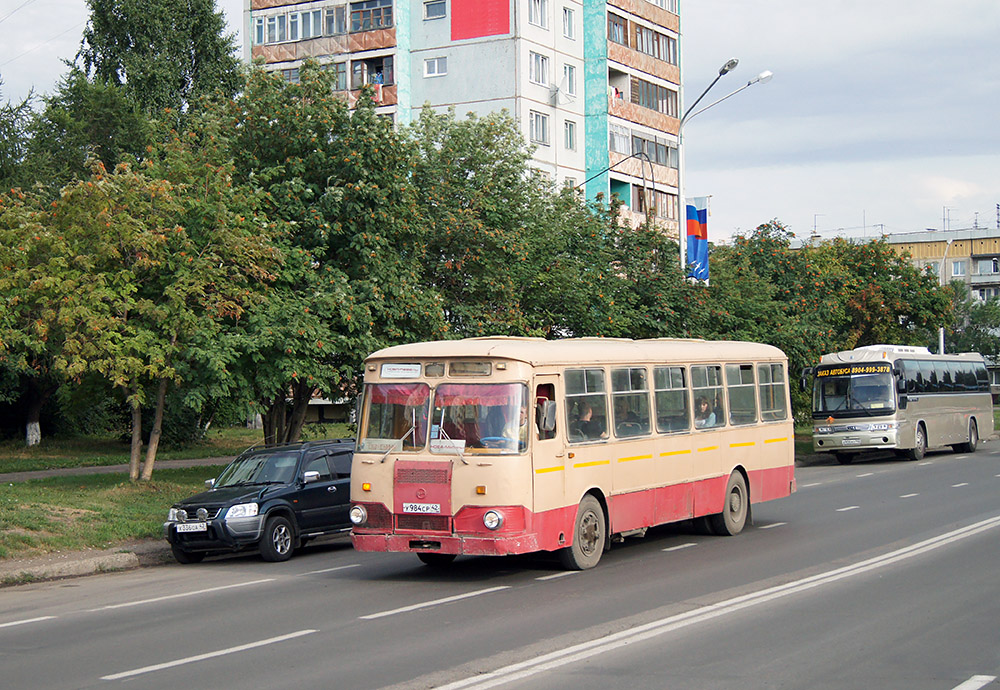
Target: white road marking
{"points": [[436, 602], [592, 648], [183, 594], [957, 486], [680, 546], [866, 474], [925, 462], [209, 655], [554, 576], [330, 570], [806, 486], [773, 524], [845, 509], [909, 495], [26, 621], [975, 683]]}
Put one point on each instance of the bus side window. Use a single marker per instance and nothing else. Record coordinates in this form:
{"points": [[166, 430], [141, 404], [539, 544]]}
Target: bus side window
{"points": [[586, 405], [671, 399]]}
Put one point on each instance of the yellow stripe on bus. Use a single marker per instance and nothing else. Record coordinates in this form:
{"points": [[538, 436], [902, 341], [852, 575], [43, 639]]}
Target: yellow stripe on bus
{"points": [[675, 452], [776, 440], [592, 464], [543, 470], [636, 457], [702, 450], [741, 445]]}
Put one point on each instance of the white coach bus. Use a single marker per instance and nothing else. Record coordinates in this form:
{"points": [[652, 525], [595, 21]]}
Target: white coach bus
{"points": [[900, 398]]}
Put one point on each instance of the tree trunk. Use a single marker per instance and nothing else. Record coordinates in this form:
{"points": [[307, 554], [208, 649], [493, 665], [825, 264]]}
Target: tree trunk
{"points": [[136, 452], [301, 395], [37, 397], [274, 420], [154, 435]]}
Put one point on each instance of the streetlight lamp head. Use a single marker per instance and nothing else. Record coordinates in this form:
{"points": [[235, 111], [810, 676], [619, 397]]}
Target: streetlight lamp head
{"points": [[765, 76], [728, 67]]}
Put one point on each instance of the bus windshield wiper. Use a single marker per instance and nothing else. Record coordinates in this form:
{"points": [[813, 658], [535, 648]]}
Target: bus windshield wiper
{"points": [[444, 433]]}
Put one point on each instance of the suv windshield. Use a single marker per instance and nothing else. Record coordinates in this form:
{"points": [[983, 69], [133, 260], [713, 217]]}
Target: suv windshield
{"points": [[259, 468]]}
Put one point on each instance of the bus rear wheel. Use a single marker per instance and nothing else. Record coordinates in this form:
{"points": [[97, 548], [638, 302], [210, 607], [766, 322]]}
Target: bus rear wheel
{"points": [[436, 560], [589, 536], [973, 442], [734, 513]]}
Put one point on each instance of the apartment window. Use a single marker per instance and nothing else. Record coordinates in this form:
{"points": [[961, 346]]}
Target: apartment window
{"points": [[957, 268], [654, 97], [538, 69], [569, 135], [569, 25], [293, 26], [435, 9], [258, 31], [312, 24], [340, 74], [935, 268], [618, 139], [538, 13], [371, 14], [668, 5], [656, 44], [336, 20], [291, 75], [657, 150], [539, 128], [436, 67], [372, 71], [276, 29], [616, 29], [569, 79]]}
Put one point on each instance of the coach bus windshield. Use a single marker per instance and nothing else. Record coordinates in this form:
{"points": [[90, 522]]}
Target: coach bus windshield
{"points": [[852, 390]]}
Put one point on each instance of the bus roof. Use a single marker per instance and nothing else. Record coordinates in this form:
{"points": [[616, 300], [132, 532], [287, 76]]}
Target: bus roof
{"points": [[538, 351], [891, 353]]}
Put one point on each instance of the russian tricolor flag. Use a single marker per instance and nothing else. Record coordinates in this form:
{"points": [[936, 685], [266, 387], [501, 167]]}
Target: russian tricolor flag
{"points": [[697, 237]]}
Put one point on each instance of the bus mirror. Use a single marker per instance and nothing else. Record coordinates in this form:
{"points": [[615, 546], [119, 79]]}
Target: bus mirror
{"points": [[804, 377], [902, 401], [546, 415]]}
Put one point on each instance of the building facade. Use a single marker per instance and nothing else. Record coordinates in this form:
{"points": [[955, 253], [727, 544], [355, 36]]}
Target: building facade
{"points": [[594, 85], [971, 256]]}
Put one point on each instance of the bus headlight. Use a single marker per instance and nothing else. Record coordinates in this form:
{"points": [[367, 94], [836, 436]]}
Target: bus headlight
{"points": [[493, 520], [882, 426], [359, 515], [823, 430]]}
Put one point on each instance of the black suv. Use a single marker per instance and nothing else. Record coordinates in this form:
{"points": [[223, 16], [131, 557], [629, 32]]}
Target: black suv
{"points": [[274, 498]]}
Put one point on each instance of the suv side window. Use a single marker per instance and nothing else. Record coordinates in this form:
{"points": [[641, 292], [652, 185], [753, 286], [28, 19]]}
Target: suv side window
{"points": [[318, 465], [341, 464]]}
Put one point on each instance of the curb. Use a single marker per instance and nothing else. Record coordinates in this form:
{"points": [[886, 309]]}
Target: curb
{"points": [[56, 566]]}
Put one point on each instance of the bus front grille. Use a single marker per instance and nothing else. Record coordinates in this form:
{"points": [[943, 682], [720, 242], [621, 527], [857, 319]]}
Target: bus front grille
{"points": [[421, 475], [424, 523]]}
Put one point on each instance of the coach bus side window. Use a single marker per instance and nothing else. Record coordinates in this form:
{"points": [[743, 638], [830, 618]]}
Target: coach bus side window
{"points": [[771, 382], [586, 405], [706, 386], [671, 399], [929, 374], [630, 393], [742, 401]]}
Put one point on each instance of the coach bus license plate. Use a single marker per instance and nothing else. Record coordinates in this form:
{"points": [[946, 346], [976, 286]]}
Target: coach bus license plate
{"points": [[852, 441], [421, 507], [192, 527]]}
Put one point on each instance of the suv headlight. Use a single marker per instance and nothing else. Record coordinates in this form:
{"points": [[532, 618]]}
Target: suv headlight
{"points": [[243, 510], [176, 515]]}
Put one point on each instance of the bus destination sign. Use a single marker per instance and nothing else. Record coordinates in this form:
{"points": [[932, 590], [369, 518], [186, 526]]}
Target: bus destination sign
{"points": [[855, 369]]}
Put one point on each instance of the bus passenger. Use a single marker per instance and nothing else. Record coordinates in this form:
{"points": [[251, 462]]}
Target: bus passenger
{"points": [[585, 425], [703, 414]]}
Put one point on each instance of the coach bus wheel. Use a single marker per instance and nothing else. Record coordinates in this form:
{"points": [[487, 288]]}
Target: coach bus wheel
{"points": [[844, 458], [436, 560], [734, 514], [920, 444], [973, 442], [589, 535]]}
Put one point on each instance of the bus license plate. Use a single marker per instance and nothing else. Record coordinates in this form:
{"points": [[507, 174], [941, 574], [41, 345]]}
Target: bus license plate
{"points": [[192, 527], [852, 442], [421, 507]]}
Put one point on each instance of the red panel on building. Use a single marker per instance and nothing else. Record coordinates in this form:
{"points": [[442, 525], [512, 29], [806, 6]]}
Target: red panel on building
{"points": [[477, 18]]}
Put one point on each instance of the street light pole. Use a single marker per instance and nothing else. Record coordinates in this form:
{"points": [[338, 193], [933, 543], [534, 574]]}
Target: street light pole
{"points": [[761, 78]]}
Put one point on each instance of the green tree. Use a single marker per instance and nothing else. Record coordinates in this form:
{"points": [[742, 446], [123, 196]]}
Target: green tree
{"points": [[162, 53], [15, 119], [976, 325]]}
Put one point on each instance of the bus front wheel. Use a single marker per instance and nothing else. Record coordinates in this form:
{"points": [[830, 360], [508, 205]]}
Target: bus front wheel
{"points": [[919, 444], [589, 535], [734, 513]]}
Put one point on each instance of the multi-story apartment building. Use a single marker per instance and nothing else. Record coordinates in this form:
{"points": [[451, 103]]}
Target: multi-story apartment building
{"points": [[595, 85], [971, 255]]}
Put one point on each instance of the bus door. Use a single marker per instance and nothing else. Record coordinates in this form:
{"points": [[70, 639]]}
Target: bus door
{"points": [[548, 454]]}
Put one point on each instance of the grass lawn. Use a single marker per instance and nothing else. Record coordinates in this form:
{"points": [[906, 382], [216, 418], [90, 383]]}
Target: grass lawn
{"points": [[91, 451], [92, 511]]}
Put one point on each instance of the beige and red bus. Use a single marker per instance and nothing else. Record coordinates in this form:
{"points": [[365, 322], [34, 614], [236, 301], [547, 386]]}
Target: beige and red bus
{"points": [[493, 446]]}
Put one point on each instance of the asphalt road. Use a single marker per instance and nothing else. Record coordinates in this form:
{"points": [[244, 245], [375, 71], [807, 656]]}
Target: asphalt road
{"points": [[879, 574]]}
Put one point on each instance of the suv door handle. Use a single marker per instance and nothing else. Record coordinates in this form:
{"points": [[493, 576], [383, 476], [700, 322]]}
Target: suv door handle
{"points": [[331, 489]]}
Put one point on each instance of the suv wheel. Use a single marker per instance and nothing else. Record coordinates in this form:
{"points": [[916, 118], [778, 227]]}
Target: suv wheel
{"points": [[278, 540], [186, 557]]}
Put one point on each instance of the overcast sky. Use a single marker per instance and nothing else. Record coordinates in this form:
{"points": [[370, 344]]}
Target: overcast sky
{"points": [[881, 116]]}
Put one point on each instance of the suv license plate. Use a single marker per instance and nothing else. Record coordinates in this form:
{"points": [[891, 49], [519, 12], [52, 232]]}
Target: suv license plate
{"points": [[421, 507], [192, 527]]}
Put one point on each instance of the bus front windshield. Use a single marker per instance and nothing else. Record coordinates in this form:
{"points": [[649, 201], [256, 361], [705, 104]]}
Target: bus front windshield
{"points": [[853, 394], [481, 418], [394, 417]]}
